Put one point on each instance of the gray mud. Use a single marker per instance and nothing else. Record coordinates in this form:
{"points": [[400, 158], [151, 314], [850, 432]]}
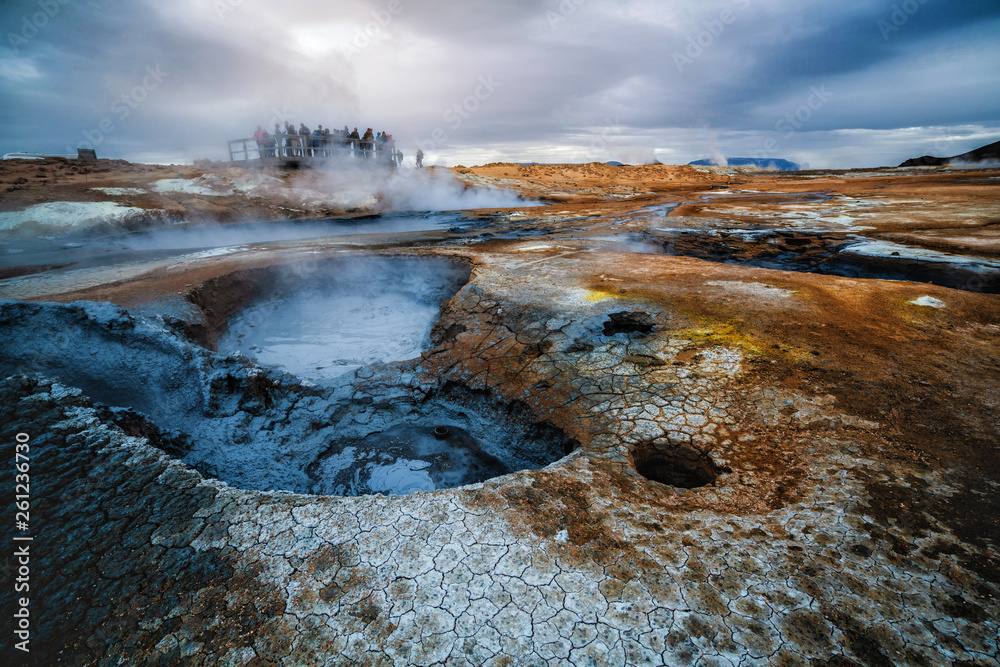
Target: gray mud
{"points": [[260, 429], [321, 321]]}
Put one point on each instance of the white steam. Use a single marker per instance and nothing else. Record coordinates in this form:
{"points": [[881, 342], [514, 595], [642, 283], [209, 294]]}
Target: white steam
{"points": [[636, 154], [984, 164], [402, 189], [348, 186], [217, 235], [718, 157]]}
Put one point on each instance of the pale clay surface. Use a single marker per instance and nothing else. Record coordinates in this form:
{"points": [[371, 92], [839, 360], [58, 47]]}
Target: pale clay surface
{"points": [[166, 565]]}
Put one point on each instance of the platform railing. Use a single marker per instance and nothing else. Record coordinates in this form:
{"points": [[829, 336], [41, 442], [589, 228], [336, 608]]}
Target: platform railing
{"points": [[301, 146]]}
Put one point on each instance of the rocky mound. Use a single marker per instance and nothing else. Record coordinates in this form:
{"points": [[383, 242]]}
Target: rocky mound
{"points": [[984, 154]]}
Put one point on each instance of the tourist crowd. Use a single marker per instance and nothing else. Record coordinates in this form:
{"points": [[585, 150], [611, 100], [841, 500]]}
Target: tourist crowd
{"points": [[324, 142]]}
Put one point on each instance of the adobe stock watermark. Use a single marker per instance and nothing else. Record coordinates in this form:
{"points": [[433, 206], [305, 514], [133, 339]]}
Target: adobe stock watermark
{"points": [[22, 551], [32, 24], [456, 115], [222, 7], [121, 109], [942, 147], [795, 120], [942, 143], [278, 117], [365, 35], [699, 43], [901, 14], [565, 9], [607, 140]]}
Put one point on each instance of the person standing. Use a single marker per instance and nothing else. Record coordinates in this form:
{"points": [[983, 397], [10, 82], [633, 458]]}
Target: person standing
{"points": [[261, 136], [367, 143], [327, 142], [303, 143], [420, 158], [317, 142], [289, 130], [275, 143], [356, 142]]}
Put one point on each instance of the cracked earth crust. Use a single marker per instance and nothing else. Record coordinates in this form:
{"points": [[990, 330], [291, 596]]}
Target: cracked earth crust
{"points": [[840, 444], [783, 559]]}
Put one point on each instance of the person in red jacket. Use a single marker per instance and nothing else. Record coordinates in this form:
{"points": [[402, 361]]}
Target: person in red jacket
{"points": [[261, 136]]}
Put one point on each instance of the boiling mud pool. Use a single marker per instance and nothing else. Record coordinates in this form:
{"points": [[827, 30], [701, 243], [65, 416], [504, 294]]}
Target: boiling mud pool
{"points": [[325, 323], [319, 336], [256, 429], [405, 459]]}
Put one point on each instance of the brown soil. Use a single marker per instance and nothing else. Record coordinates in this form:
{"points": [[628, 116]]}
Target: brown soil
{"points": [[25, 183], [953, 211], [928, 377]]}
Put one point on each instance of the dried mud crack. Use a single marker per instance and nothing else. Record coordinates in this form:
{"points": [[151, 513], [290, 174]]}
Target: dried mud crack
{"points": [[593, 452]]}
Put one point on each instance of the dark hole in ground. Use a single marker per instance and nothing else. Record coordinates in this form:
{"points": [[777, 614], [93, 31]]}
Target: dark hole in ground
{"points": [[679, 466], [629, 322]]}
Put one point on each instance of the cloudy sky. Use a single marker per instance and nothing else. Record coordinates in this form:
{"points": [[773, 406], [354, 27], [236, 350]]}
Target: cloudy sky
{"points": [[841, 84]]}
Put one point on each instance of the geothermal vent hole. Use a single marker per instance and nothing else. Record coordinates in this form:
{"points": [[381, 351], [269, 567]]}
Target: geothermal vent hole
{"points": [[679, 466], [628, 323], [322, 320], [454, 438], [407, 458]]}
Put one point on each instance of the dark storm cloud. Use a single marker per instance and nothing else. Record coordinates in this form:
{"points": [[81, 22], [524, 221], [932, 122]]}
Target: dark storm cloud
{"points": [[572, 79]]}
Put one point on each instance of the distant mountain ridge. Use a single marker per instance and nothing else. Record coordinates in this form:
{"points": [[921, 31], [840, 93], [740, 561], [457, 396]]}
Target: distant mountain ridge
{"points": [[990, 152], [763, 163]]}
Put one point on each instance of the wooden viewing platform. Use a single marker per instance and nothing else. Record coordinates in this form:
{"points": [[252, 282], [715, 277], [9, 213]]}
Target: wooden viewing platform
{"points": [[298, 150]]}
